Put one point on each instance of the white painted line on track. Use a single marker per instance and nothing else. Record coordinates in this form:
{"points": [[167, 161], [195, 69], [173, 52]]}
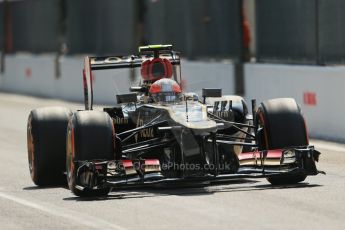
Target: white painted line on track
{"points": [[77, 217]]}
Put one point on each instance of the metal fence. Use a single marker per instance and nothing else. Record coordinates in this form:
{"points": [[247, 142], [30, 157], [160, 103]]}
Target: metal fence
{"points": [[295, 31]]}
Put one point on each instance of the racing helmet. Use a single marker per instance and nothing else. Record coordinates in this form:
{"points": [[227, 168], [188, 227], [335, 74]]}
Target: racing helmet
{"points": [[165, 90], [155, 69]]}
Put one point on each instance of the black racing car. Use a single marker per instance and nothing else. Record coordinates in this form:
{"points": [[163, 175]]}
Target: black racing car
{"points": [[158, 134]]}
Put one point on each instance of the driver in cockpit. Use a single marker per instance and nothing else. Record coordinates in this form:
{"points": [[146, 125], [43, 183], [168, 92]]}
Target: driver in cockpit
{"points": [[156, 74], [165, 91]]}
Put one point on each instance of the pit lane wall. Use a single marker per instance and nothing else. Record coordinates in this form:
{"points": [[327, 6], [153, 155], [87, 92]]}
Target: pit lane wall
{"points": [[319, 90], [36, 75]]}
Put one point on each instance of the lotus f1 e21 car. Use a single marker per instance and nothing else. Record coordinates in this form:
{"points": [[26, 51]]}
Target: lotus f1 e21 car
{"points": [[156, 134]]}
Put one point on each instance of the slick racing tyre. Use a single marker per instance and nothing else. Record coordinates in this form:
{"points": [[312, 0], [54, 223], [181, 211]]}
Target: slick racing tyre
{"points": [[90, 136], [46, 143], [282, 126]]}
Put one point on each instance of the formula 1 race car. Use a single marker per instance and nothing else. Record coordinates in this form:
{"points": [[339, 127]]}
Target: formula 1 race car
{"points": [[158, 134]]}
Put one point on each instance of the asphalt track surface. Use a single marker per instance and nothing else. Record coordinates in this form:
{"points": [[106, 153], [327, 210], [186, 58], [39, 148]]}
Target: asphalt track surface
{"points": [[319, 203]]}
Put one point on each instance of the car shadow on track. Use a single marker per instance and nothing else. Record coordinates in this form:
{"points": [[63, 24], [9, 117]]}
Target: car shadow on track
{"points": [[35, 187], [241, 185]]}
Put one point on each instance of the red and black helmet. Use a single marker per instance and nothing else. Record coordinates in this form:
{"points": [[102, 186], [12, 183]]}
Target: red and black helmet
{"points": [[165, 85], [165, 90]]}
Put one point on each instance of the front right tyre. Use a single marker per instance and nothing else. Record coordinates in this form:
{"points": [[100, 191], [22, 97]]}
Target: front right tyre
{"points": [[90, 136]]}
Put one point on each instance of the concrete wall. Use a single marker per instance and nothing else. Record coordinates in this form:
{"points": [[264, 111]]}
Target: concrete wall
{"points": [[318, 90], [35, 75]]}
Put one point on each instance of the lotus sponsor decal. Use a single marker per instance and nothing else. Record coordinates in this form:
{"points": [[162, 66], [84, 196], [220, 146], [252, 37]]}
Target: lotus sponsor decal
{"points": [[145, 133], [120, 121]]}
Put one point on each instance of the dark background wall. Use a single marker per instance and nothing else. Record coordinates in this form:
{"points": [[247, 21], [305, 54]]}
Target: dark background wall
{"points": [[34, 25], [331, 31], [287, 31], [102, 27], [295, 31], [199, 28], [2, 29]]}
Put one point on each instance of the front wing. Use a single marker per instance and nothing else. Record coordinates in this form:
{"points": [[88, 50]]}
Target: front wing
{"points": [[259, 164]]}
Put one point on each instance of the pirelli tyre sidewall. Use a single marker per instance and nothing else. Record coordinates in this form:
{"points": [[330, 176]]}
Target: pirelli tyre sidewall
{"points": [[46, 144], [90, 136], [283, 126]]}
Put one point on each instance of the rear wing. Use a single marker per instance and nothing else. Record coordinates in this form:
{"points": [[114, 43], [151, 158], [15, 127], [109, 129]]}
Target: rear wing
{"points": [[117, 62]]}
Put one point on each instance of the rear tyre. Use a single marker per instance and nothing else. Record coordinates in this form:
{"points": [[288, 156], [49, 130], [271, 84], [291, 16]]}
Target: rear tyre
{"points": [[46, 143], [90, 136], [282, 126]]}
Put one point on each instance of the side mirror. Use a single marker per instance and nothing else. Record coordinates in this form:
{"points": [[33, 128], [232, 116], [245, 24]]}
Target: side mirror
{"points": [[211, 92], [127, 98]]}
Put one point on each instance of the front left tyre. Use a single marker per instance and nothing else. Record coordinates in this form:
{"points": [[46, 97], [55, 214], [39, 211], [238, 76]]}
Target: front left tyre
{"points": [[282, 126]]}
